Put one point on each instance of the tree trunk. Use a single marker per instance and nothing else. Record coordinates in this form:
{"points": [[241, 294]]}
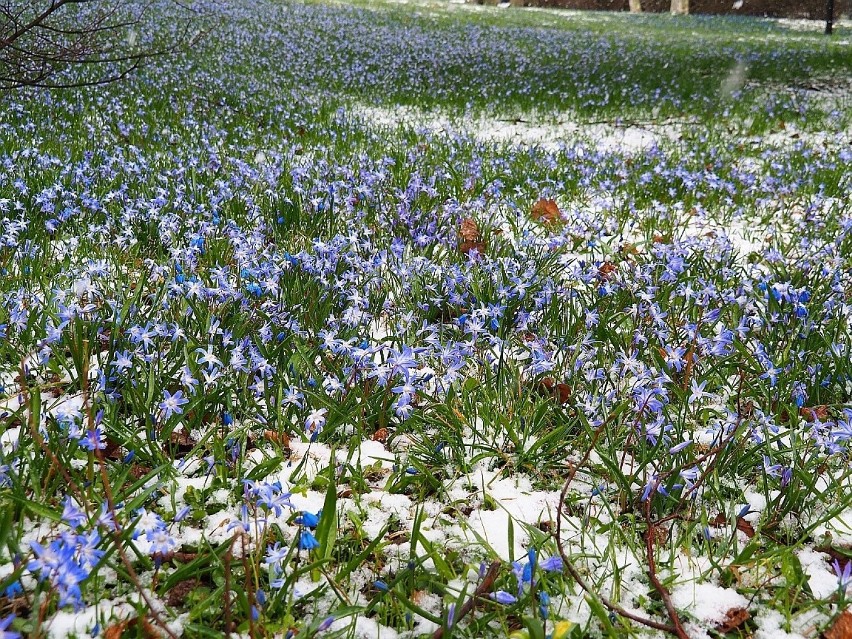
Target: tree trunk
{"points": [[635, 6], [829, 16], [680, 7]]}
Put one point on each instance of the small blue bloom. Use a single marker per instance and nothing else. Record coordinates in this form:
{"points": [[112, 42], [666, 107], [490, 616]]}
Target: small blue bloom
{"points": [[503, 597], [552, 564], [309, 519], [544, 604], [307, 541]]}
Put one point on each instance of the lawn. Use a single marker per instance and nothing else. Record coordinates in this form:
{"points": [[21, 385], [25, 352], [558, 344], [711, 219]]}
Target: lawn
{"points": [[379, 320]]}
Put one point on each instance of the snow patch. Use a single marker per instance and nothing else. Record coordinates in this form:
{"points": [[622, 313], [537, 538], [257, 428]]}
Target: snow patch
{"points": [[603, 137], [707, 602]]}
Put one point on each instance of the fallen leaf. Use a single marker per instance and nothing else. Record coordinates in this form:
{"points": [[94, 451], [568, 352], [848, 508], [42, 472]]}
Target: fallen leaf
{"points": [[175, 556], [467, 246], [546, 526], [181, 591], [116, 630], [718, 520], [471, 237], [182, 441], [842, 627], [380, 435], [607, 270], [398, 537], [659, 534], [546, 211], [559, 391], [841, 556], [734, 619], [629, 249], [282, 439], [138, 471], [742, 525], [145, 629], [814, 413], [745, 527], [112, 450], [469, 230]]}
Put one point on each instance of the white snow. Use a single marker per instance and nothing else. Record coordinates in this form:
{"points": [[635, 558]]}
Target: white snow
{"points": [[364, 628], [550, 133], [707, 602]]}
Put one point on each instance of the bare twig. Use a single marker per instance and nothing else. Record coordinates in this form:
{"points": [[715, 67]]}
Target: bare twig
{"points": [[41, 39], [569, 566], [483, 587], [664, 593]]}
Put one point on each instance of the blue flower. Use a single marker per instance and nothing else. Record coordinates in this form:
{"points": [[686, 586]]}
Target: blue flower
{"points": [[309, 519], [552, 564], [5, 633], [503, 597], [72, 515], [307, 541], [171, 404], [544, 604]]}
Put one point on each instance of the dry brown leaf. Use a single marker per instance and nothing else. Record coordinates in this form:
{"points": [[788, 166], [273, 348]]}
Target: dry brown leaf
{"points": [[380, 435], [116, 631], [181, 591], [546, 211], [466, 247], [112, 450], [734, 619], [659, 534], [146, 628], [547, 526], [138, 471], [182, 440], [559, 391], [742, 525], [282, 439], [837, 555], [745, 527], [175, 556], [471, 237], [398, 537], [607, 270], [842, 627], [718, 520], [469, 230], [814, 413]]}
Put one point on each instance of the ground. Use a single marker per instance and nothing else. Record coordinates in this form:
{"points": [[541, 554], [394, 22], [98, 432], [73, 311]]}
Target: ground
{"points": [[352, 316]]}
